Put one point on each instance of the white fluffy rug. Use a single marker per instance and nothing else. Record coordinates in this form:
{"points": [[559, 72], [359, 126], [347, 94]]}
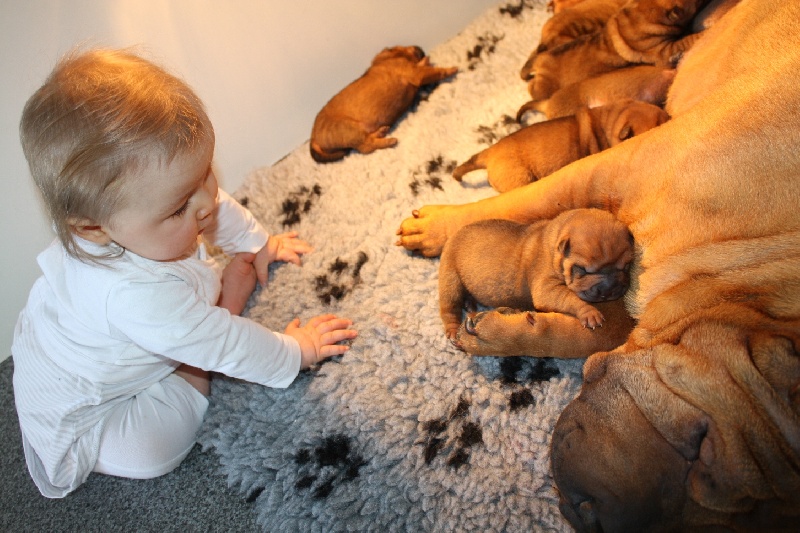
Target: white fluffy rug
{"points": [[403, 433]]}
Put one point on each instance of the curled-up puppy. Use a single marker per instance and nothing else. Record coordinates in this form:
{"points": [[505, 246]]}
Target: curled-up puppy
{"points": [[558, 265], [570, 22], [540, 149], [651, 32], [361, 114], [645, 83]]}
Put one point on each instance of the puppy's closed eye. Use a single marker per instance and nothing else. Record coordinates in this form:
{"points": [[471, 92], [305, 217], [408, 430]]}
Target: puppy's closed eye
{"points": [[626, 133]]}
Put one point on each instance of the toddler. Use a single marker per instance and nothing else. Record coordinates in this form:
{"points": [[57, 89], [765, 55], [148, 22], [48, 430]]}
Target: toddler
{"points": [[113, 350]]}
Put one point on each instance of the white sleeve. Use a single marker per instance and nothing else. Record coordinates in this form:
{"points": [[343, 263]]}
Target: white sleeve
{"points": [[169, 319], [236, 229]]}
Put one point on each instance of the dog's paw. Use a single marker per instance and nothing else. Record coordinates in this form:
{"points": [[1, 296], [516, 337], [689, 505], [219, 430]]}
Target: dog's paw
{"points": [[590, 317]]}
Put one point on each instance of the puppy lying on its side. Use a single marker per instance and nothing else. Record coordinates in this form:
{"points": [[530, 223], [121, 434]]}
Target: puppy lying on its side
{"points": [[359, 116], [652, 32], [554, 265], [646, 83], [540, 149]]}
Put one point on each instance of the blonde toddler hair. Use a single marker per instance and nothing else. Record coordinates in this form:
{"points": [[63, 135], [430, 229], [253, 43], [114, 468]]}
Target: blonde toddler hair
{"points": [[99, 115]]}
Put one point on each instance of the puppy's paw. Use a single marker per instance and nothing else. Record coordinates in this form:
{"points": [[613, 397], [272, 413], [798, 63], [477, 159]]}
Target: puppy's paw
{"points": [[590, 317]]}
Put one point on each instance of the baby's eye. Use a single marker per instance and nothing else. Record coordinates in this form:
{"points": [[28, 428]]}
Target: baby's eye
{"points": [[180, 212]]}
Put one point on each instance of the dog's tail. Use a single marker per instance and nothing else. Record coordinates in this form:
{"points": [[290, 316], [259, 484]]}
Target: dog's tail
{"points": [[473, 163], [321, 156], [532, 105]]}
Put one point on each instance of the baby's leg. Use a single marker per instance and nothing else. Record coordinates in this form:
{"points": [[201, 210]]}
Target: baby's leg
{"points": [[150, 434]]}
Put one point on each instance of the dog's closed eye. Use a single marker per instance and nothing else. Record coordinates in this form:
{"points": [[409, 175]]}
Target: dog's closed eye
{"points": [[625, 133]]}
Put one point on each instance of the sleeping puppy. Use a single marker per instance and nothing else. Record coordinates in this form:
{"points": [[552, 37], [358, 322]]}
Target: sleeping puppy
{"points": [[643, 82], [570, 22], [651, 32], [540, 149], [557, 265], [360, 116], [693, 423]]}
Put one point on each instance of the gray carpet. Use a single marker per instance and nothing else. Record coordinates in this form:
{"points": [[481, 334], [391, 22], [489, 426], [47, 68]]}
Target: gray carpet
{"points": [[403, 433], [194, 497]]}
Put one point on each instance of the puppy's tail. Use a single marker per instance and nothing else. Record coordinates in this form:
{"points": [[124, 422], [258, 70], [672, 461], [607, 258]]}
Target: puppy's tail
{"points": [[473, 163], [321, 156], [533, 105]]}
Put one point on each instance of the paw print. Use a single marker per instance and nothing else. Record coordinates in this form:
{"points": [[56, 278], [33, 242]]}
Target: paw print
{"points": [[516, 371], [434, 169], [504, 127], [323, 467], [456, 443], [514, 11], [297, 203], [340, 280], [484, 47]]}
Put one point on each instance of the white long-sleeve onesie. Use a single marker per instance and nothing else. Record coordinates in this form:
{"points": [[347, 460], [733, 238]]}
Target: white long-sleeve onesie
{"points": [[92, 336]]}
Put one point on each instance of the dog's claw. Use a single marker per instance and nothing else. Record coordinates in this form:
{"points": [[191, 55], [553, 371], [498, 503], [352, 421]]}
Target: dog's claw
{"points": [[469, 326]]}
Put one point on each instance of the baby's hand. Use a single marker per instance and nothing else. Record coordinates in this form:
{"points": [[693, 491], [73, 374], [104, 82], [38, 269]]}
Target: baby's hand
{"points": [[284, 247], [319, 336]]}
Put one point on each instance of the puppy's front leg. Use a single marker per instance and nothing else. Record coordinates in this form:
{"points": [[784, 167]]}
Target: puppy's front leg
{"points": [[553, 296], [428, 74]]}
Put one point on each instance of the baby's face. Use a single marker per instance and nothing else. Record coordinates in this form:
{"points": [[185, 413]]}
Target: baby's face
{"points": [[167, 207]]}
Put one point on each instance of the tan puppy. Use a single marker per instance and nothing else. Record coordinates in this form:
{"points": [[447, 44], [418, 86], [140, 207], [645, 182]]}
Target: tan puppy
{"points": [[694, 422], [557, 265], [540, 149], [649, 32], [643, 82], [359, 117], [570, 22]]}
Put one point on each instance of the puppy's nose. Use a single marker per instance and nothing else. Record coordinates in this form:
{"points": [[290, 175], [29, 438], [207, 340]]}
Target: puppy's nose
{"points": [[420, 53]]}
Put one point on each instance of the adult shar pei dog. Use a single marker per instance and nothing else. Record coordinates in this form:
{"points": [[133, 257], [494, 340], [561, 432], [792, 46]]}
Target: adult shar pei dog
{"points": [[693, 423]]}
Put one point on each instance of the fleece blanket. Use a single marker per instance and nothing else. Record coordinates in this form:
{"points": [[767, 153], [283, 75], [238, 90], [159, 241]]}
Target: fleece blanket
{"points": [[404, 432]]}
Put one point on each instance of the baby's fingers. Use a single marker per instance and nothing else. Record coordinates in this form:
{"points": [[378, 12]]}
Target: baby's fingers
{"points": [[337, 335]]}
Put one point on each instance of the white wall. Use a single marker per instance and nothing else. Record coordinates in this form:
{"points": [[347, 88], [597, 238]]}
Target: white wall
{"points": [[264, 68]]}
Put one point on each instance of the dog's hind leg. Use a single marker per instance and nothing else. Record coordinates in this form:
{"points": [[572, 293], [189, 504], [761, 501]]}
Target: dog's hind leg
{"points": [[375, 141]]}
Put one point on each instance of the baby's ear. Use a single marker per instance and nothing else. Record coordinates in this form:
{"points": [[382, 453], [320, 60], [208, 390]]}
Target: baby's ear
{"points": [[89, 230]]}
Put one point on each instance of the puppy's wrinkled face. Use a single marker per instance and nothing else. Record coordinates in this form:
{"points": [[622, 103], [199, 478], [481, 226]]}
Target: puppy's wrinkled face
{"points": [[414, 54], [596, 256]]}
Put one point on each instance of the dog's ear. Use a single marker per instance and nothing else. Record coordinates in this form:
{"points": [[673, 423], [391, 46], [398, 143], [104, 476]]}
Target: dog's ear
{"points": [[564, 247], [626, 132], [675, 14]]}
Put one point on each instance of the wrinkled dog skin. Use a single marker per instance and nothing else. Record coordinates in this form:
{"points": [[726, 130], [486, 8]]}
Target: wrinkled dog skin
{"points": [[558, 265], [542, 148], [652, 32], [360, 116], [570, 22], [693, 423]]}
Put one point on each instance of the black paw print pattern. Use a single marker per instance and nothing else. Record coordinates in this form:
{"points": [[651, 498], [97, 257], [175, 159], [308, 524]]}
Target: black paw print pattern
{"points": [[484, 47], [430, 174], [457, 445], [340, 279], [502, 128], [322, 467], [516, 372], [515, 10], [298, 203]]}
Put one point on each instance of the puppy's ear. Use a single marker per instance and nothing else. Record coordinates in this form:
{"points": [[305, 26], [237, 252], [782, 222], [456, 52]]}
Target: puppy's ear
{"points": [[564, 247], [675, 14], [626, 132]]}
